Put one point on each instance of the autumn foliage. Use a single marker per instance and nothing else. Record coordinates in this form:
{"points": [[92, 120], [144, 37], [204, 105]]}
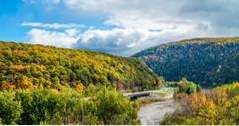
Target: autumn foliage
{"points": [[79, 88], [25, 66], [208, 107]]}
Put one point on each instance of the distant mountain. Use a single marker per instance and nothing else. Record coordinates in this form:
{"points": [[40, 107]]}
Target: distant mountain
{"points": [[206, 61], [36, 66]]}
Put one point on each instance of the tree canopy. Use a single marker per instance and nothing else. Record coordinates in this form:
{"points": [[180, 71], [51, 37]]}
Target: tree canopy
{"points": [[28, 66]]}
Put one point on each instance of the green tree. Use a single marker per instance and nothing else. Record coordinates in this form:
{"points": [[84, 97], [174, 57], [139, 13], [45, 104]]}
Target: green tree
{"points": [[185, 86]]}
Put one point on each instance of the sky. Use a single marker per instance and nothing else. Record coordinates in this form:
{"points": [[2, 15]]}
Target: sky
{"points": [[119, 27]]}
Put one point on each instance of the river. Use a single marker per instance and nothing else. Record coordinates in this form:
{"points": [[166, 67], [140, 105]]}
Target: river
{"points": [[152, 114]]}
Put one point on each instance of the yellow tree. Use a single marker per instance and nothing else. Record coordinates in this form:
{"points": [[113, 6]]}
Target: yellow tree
{"points": [[79, 87], [25, 83]]}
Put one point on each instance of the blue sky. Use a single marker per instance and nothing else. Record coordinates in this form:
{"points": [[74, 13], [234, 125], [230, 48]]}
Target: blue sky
{"points": [[120, 27]]}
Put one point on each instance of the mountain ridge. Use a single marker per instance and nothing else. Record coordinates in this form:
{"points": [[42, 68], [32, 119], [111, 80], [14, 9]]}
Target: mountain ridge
{"points": [[207, 61], [219, 40]]}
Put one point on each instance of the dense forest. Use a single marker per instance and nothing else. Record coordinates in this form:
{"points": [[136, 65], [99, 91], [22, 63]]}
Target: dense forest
{"points": [[25, 66], [206, 61]]}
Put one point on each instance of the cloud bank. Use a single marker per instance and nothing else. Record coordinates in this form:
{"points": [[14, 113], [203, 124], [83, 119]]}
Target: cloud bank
{"points": [[133, 25]]}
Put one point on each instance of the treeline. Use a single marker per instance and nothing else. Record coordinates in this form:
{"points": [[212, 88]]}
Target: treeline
{"points": [[24, 66], [206, 61], [50, 106], [218, 106]]}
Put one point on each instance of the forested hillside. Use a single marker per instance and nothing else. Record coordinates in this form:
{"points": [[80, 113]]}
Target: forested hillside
{"points": [[27, 66], [207, 61]]}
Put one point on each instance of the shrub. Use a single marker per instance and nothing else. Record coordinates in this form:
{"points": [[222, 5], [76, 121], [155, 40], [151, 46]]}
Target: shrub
{"points": [[217, 107], [185, 86], [114, 108], [50, 106], [10, 109]]}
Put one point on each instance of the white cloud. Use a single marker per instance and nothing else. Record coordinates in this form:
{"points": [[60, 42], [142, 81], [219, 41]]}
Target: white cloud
{"points": [[52, 25], [115, 41], [46, 37], [127, 41]]}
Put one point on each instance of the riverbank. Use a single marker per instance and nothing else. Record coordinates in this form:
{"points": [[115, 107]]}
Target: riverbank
{"points": [[156, 106], [153, 113]]}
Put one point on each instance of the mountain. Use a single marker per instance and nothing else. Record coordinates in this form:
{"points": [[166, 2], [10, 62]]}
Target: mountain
{"points": [[35, 66], [206, 61]]}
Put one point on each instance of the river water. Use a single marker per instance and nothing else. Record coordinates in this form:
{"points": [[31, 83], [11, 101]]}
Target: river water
{"points": [[152, 114]]}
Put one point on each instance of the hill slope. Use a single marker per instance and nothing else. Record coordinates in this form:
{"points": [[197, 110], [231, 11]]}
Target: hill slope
{"points": [[207, 61], [33, 66]]}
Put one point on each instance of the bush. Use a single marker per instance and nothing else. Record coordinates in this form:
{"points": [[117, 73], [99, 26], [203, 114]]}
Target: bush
{"points": [[10, 109], [50, 106], [185, 86], [114, 108]]}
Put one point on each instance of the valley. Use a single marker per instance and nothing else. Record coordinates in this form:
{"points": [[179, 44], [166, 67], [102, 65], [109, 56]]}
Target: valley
{"points": [[48, 85], [119, 62]]}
